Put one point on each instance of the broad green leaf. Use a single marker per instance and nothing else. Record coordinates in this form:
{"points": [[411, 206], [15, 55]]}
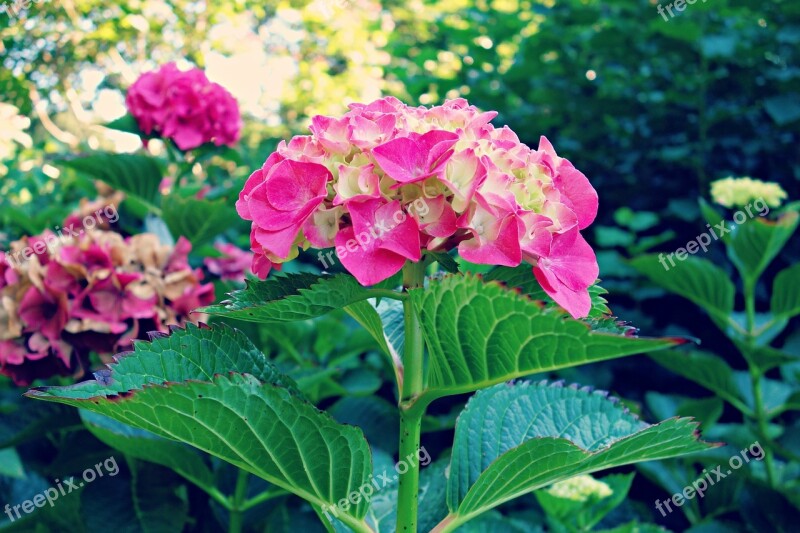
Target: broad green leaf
{"points": [[698, 280], [707, 370], [188, 387], [197, 220], [786, 293], [479, 334], [136, 175], [292, 297], [147, 446], [512, 439], [755, 243]]}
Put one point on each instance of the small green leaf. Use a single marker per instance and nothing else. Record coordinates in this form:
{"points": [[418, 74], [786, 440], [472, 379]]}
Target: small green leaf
{"points": [[479, 334], [786, 293], [446, 261], [512, 439], [292, 297], [698, 280], [755, 243], [127, 124], [707, 370]]}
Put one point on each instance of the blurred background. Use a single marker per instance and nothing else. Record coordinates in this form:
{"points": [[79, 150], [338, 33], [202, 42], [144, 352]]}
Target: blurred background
{"points": [[652, 108]]}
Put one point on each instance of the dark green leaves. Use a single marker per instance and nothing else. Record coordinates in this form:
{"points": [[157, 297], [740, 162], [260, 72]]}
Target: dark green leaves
{"points": [[514, 438]]}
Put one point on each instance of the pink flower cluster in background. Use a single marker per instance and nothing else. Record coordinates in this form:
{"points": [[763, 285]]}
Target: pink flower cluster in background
{"points": [[387, 181], [184, 106], [92, 293]]}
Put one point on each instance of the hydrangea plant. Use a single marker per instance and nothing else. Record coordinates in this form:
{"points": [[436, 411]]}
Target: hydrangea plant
{"points": [[394, 192]]}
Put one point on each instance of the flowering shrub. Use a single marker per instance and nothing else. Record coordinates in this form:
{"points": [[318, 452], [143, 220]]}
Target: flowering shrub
{"points": [[392, 188], [184, 106], [97, 291], [396, 180]]}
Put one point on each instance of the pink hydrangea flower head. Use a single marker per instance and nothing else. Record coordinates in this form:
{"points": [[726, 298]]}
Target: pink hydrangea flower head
{"points": [[184, 106], [386, 182]]}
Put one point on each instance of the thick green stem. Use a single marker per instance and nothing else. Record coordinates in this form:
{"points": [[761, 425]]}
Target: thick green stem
{"points": [[755, 378], [239, 495], [410, 423]]}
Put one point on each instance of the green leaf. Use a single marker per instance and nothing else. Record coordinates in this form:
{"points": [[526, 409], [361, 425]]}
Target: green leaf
{"points": [[151, 500], [136, 175], [174, 387], [446, 261], [10, 464], [127, 124], [292, 297], [695, 279], [479, 334], [581, 512], [376, 417], [755, 243], [197, 220], [147, 446], [512, 439], [786, 293], [707, 370], [384, 321]]}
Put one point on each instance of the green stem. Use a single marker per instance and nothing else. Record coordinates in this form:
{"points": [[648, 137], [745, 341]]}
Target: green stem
{"points": [[263, 497], [755, 378], [410, 422], [237, 503]]}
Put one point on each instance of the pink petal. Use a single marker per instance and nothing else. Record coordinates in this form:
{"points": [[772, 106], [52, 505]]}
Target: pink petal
{"points": [[369, 266]]}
